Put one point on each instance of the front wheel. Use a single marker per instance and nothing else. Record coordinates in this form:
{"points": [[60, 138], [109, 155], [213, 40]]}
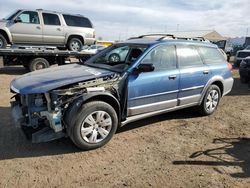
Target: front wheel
{"points": [[95, 125], [210, 101], [3, 42]]}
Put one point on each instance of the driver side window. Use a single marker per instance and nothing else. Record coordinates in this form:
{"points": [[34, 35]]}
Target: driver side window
{"points": [[162, 57], [29, 17]]}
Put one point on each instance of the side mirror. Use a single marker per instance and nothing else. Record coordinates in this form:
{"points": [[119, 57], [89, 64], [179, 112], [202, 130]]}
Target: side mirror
{"points": [[18, 20], [145, 68]]}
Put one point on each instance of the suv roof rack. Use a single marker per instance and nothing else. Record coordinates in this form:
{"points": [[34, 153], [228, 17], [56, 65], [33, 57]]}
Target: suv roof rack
{"points": [[164, 36]]}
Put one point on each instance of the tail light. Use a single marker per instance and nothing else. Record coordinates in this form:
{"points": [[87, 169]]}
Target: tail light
{"points": [[230, 66]]}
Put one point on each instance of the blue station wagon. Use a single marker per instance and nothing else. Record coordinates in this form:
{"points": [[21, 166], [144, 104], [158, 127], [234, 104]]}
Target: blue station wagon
{"points": [[88, 101]]}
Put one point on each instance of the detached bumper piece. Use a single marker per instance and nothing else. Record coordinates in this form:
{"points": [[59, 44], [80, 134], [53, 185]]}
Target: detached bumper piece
{"points": [[45, 135]]}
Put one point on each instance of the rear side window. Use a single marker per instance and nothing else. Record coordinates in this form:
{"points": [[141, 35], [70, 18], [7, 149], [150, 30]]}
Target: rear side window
{"points": [[51, 19], [188, 56], [77, 21], [211, 55], [162, 57]]}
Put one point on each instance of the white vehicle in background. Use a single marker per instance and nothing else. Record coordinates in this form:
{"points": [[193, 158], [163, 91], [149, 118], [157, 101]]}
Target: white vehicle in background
{"points": [[94, 49]]}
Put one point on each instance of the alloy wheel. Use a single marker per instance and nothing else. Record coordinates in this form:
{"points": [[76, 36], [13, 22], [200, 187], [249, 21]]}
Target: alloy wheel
{"points": [[96, 127], [212, 100], [75, 46]]}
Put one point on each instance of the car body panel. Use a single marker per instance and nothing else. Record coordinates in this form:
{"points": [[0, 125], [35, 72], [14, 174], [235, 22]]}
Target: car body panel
{"points": [[147, 90]]}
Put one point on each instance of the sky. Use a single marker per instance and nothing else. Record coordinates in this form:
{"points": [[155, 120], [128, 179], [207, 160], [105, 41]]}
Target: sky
{"points": [[121, 19]]}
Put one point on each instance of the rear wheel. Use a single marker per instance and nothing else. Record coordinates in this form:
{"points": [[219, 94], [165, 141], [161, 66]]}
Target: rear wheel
{"points": [[75, 44], [38, 63], [3, 42], [210, 101], [94, 125]]}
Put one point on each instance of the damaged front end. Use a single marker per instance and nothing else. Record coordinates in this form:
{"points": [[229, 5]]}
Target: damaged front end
{"points": [[38, 117], [41, 116]]}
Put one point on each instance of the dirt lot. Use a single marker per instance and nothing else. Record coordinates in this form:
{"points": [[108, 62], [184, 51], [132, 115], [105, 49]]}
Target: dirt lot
{"points": [[178, 149]]}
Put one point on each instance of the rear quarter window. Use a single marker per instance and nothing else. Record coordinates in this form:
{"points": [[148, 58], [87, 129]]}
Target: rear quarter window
{"points": [[188, 56], [211, 55], [77, 21]]}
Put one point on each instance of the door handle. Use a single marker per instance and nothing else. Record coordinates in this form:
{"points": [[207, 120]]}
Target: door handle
{"points": [[38, 27], [172, 77], [58, 29], [205, 72]]}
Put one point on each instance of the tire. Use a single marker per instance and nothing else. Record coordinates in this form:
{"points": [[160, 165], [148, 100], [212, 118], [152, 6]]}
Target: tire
{"points": [[243, 80], [114, 58], [87, 132], [38, 63], [3, 42], [75, 44], [210, 101]]}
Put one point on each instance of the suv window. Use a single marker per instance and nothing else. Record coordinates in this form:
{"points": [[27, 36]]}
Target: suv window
{"points": [[51, 19], [162, 57], [188, 56], [29, 17], [77, 21], [211, 55]]}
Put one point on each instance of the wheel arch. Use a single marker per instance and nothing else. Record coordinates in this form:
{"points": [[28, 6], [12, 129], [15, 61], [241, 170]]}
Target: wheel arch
{"points": [[6, 35], [76, 105], [80, 37], [220, 85], [218, 81]]}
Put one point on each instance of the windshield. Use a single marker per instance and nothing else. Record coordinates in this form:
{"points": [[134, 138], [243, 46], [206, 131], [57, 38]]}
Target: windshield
{"points": [[12, 15], [117, 57]]}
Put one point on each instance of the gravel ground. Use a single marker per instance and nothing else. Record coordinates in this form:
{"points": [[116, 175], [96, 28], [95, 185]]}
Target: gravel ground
{"points": [[178, 149]]}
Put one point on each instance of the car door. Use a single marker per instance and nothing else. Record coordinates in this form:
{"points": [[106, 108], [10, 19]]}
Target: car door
{"points": [[156, 90], [53, 32], [194, 74], [26, 28]]}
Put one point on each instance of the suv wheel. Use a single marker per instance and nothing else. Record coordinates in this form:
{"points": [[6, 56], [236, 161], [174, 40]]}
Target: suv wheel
{"points": [[75, 44], [210, 101], [94, 125], [3, 42], [38, 63]]}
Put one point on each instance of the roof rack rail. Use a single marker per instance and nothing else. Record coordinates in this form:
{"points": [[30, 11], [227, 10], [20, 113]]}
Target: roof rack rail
{"points": [[192, 38], [152, 35], [163, 36], [157, 34]]}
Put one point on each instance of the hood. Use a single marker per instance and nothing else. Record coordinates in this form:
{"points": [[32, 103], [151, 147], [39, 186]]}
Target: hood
{"points": [[3, 23], [47, 79]]}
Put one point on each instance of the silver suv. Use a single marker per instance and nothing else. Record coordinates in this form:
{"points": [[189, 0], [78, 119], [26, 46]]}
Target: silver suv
{"points": [[40, 27]]}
